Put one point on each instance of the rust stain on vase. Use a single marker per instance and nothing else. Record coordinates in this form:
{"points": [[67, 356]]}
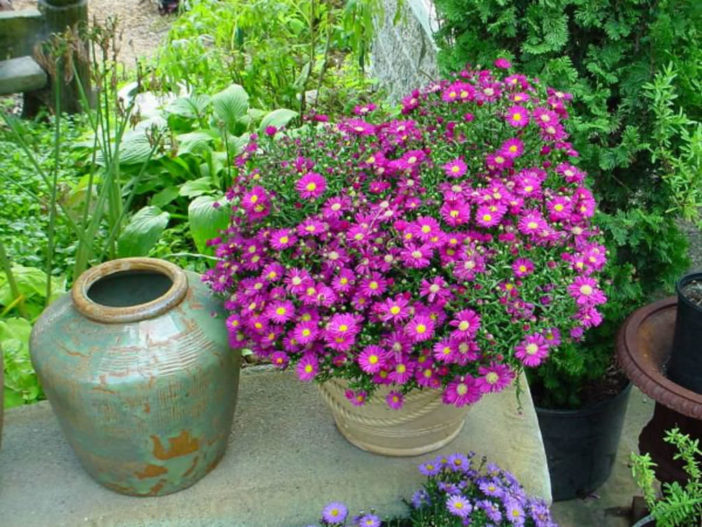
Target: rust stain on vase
{"points": [[151, 471], [156, 488], [192, 467], [182, 445]]}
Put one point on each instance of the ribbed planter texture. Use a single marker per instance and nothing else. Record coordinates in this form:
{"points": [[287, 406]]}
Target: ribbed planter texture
{"points": [[685, 364], [136, 365], [422, 425], [581, 444]]}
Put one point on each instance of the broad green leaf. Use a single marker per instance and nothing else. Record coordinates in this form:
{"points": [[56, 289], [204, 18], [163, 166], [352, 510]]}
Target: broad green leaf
{"points": [[207, 220], [189, 107], [165, 196], [193, 142], [230, 105], [21, 384], [134, 149], [142, 232], [277, 118], [196, 187]]}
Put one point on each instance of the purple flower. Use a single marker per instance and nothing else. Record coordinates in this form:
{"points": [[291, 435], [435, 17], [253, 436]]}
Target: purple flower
{"points": [[311, 185], [335, 513], [368, 520], [458, 506]]}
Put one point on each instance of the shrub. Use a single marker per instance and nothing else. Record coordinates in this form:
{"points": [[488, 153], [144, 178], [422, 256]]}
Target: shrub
{"points": [[633, 68]]}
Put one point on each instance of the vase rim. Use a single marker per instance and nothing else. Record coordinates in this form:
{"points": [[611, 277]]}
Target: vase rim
{"points": [[153, 308]]}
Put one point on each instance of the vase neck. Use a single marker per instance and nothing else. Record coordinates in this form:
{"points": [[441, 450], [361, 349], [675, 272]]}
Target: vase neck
{"points": [[129, 290]]}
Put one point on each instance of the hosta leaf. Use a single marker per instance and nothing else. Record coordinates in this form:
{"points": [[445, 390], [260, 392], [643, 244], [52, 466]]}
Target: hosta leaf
{"points": [[207, 220], [277, 118], [142, 232], [230, 105]]}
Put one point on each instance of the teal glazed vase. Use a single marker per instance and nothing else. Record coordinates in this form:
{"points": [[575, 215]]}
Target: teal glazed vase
{"points": [[136, 365]]}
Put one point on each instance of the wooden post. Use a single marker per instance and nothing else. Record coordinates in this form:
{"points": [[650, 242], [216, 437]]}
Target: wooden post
{"points": [[60, 15]]}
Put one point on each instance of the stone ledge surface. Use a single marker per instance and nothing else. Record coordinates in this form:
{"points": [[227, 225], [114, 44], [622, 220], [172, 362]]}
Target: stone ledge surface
{"points": [[285, 461]]}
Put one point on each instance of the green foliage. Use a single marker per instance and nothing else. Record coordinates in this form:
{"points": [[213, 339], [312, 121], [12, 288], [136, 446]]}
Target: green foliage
{"points": [[276, 50], [633, 70], [677, 506]]}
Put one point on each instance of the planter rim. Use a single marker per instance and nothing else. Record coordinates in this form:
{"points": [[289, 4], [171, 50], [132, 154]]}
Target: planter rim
{"points": [[585, 410], [697, 275], [648, 377], [111, 315]]}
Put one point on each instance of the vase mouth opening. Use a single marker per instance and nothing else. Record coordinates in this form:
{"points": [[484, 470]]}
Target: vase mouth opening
{"points": [[129, 290]]}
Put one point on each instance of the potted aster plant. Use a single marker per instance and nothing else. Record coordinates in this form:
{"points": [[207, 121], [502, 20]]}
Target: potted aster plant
{"points": [[459, 490], [411, 265]]}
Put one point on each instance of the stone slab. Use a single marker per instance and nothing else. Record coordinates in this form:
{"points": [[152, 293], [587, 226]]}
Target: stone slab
{"points": [[19, 32], [20, 75], [285, 461]]}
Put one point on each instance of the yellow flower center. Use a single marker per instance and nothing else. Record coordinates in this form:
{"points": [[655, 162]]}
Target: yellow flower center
{"points": [[373, 286], [306, 332], [373, 359], [253, 198], [461, 389], [586, 290], [311, 186], [421, 329], [400, 368], [395, 310], [308, 368], [516, 116], [531, 349], [532, 225], [487, 217], [464, 325], [492, 377], [343, 328], [280, 311]]}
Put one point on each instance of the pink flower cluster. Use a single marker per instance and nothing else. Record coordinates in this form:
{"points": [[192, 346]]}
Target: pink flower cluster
{"points": [[446, 249]]}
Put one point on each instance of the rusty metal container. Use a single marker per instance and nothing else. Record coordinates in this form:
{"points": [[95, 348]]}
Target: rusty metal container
{"points": [[137, 367]]}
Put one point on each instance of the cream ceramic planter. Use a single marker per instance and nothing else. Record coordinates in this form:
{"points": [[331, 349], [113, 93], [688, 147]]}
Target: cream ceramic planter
{"points": [[422, 425]]}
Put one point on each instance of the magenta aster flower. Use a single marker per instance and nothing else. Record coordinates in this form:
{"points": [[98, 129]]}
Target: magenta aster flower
{"points": [[456, 168], [462, 390], [307, 367], [458, 506], [532, 350], [395, 308], [416, 257], [512, 148], [305, 332], [584, 290], [445, 351], [502, 63], [311, 185], [489, 215], [335, 513], [522, 267], [395, 399], [467, 324], [342, 325], [280, 359], [518, 116], [281, 312], [420, 328], [401, 372], [372, 359], [494, 378], [356, 398], [376, 285]]}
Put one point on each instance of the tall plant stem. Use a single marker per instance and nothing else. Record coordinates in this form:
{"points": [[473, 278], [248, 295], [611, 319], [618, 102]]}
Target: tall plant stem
{"points": [[54, 180]]}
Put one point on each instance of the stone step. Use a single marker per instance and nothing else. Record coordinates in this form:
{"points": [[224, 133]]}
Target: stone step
{"points": [[20, 75], [285, 461]]}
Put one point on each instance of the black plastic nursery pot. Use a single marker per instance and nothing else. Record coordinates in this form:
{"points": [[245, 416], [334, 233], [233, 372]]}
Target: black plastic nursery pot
{"points": [[685, 365], [581, 445]]}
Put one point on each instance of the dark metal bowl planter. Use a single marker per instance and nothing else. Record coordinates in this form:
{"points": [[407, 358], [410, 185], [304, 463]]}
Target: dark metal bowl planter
{"points": [[140, 375], [644, 346]]}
